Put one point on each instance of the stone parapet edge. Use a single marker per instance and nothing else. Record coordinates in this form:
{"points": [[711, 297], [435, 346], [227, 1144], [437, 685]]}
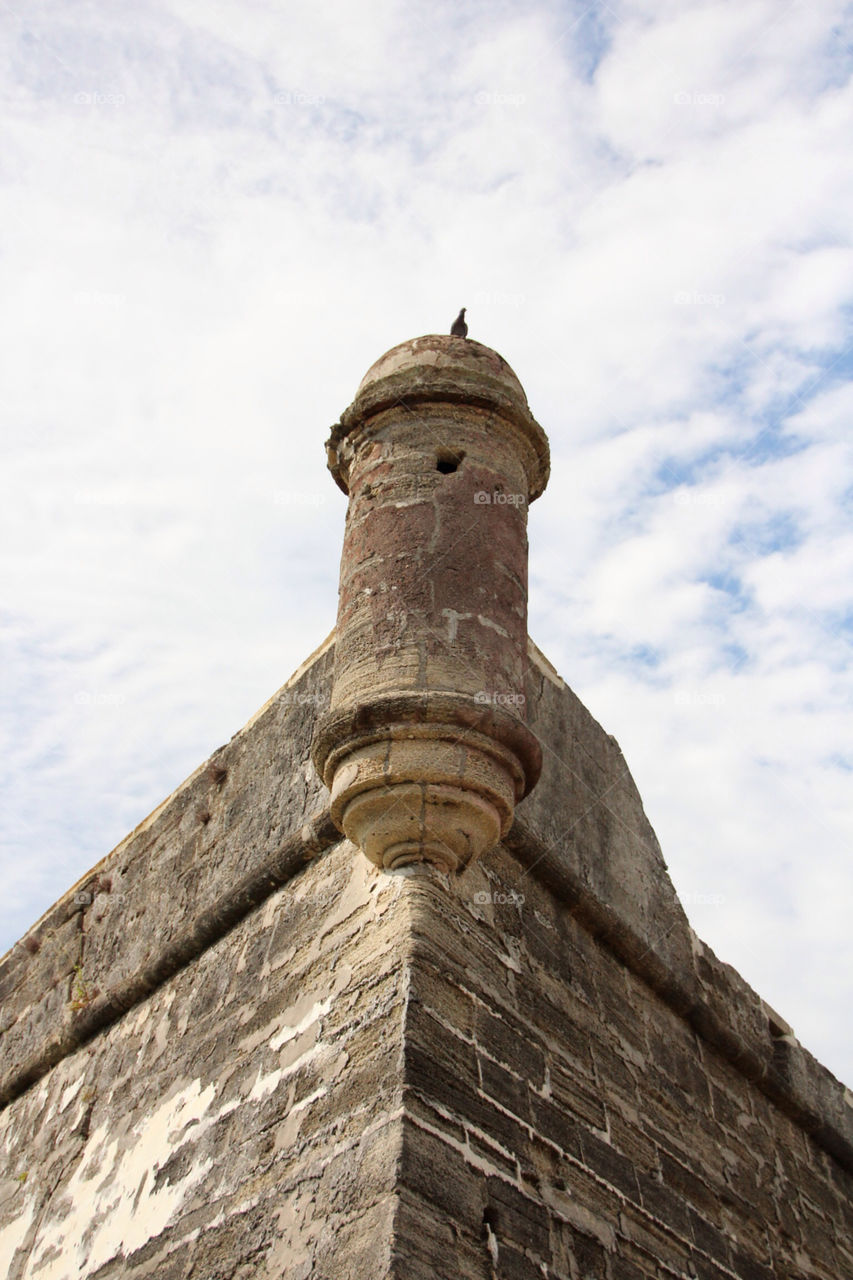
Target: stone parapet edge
{"points": [[749, 1038], [317, 834]]}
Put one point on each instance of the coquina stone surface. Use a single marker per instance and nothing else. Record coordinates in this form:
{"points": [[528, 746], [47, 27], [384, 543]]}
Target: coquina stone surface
{"points": [[490, 1049], [302, 1066]]}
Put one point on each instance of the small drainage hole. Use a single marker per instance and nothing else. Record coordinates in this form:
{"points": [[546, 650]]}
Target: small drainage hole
{"points": [[447, 462]]}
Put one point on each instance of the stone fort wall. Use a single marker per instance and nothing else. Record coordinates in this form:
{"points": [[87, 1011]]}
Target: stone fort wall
{"points": [[237, 1049]]}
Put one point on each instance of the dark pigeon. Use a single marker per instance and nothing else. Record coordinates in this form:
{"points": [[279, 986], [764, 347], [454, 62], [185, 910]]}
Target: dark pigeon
{"points": [[459, 328]]}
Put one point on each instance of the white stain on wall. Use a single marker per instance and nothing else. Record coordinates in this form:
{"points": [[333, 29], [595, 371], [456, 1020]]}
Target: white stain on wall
{"points": [[109, 1206], [13, 1235]]}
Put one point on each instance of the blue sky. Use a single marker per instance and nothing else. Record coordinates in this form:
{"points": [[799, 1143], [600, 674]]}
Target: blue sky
{"points": [[218, 215]]}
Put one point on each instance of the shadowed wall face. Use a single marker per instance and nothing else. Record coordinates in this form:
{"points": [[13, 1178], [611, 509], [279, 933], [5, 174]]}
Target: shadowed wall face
{"points": [[425, 749], [562, 1121]]}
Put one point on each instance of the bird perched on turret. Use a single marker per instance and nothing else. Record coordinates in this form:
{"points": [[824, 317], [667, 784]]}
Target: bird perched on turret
{"points": [[459, 328]]}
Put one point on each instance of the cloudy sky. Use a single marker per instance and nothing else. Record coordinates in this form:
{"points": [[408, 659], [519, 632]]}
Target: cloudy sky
{"points": [[217, 215]]}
